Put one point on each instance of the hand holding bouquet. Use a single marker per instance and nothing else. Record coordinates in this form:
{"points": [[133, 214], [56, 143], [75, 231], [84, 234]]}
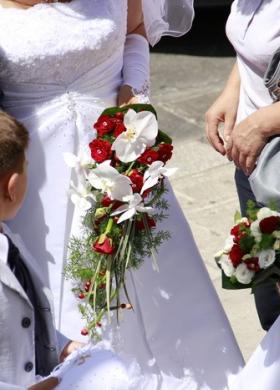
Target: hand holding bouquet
{"points": [[120, 193]]}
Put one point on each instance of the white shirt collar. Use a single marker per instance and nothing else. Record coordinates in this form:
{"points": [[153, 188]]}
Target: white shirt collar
{"points": [[4, 248]]}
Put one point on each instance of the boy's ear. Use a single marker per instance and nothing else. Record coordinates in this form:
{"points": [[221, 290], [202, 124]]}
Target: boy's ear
{"points": [[11, 187]]}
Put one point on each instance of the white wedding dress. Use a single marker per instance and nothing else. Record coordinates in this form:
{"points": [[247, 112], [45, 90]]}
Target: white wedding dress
{"points": [[60, 66]]}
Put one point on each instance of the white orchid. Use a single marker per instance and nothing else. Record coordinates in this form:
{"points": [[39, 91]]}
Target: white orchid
{"points": [[81, 196], [135, 203], [110, 181], [156, 171], [141, 132], [82, 160]]}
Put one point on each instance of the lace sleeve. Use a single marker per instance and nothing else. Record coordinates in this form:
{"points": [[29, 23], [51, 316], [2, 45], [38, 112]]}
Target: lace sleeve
{"points": [[143, 94]]}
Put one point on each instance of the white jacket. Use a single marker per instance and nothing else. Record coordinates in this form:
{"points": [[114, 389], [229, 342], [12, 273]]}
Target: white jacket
{"points": [[17, 348]]}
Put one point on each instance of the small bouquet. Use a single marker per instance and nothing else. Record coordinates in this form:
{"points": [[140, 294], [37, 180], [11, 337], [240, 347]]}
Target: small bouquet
{"points": [[120, 193], [252, 251]]}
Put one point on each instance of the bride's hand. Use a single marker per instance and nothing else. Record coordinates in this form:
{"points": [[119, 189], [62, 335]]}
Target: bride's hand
{"points": [[126, 96], [69, 348], [47, 384]]}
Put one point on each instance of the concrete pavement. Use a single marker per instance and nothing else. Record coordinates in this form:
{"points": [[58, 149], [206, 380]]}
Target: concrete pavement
{"points": [[184, 85]]}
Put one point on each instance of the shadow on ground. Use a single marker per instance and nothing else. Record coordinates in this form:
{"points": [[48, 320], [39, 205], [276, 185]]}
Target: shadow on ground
{"points": [[207, 37]]}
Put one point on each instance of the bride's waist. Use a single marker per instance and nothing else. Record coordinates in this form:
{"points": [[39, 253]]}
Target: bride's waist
{"points": [[96, 85]]}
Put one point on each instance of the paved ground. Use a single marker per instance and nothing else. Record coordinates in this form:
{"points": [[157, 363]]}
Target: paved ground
{"points": [[187, 75]]}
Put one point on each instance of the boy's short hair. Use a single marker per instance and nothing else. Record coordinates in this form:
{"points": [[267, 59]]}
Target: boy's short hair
{"points": [[14, 139]]}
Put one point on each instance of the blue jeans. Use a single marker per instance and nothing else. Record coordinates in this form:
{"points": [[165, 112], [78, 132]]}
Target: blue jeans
{"points": [[267, 298]]}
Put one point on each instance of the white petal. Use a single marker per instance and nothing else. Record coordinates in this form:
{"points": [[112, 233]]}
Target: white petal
{"points": [[120, 210], [266, 258], [147, 123], [70, 159], [154, 169], [128, 151], [243, 274], [149, 183], [143, 209], [168, 171], [129, 117], [227, 266], [121, 189], [81, 203], [127, 215]]}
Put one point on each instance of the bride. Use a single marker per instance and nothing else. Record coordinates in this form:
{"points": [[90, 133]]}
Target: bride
{"points": [[61, 64]]}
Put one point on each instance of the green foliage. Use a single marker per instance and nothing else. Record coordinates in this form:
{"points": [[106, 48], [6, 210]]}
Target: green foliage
{"points": [[252, 210], [105, 275], [136, 107], [246, 243], [267, 241]]}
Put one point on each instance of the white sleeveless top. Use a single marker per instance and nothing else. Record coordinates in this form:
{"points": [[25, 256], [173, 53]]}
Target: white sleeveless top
{"points": [[253, 28]]}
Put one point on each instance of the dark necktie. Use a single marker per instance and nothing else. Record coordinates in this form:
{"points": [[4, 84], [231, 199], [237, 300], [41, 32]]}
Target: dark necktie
{"points": [[22, 274]]}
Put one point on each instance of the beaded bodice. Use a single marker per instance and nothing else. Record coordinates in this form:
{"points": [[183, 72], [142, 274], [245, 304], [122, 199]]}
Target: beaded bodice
{"points": [[58, 43]]}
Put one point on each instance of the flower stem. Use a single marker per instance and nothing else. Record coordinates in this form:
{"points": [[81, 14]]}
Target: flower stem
{"points": [[109, 226], [130, 168]]}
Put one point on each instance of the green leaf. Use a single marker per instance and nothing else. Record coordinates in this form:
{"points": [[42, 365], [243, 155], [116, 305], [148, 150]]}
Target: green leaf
{"points": [[252, 210], [247, 243], [267, 241], [163, 137], [237, 216], [232, 283], [136, 107]]}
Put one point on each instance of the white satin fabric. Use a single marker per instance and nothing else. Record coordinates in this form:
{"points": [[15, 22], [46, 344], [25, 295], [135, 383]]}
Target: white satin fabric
{"points": [[262, 371], [167, 17], [60, 66]]}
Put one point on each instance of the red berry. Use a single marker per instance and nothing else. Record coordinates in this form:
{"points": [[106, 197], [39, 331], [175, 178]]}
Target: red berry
{"points": [[81, 295], [84, 332]]}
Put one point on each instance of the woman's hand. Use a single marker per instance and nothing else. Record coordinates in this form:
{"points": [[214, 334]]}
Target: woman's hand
{"points": [[126, 96], [224, 110], [47, 384], [69, 348], [249, 137]]}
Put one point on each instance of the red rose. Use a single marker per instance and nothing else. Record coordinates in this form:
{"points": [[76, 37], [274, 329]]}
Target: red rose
{"points": [[120, 128], [104, 125], [148, 157], [100, 150], [119, 115], [270, 224], [253, 264], [140, 223], [137, 180], [165, 152], [235, 255], [238, 231], [105, 246]]}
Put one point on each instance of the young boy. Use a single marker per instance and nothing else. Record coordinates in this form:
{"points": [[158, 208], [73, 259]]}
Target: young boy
{"points": [[29, 343]]}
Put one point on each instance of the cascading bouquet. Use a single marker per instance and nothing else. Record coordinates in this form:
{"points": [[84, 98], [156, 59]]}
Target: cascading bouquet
{"points": [[120, 195], [252, 251]]}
